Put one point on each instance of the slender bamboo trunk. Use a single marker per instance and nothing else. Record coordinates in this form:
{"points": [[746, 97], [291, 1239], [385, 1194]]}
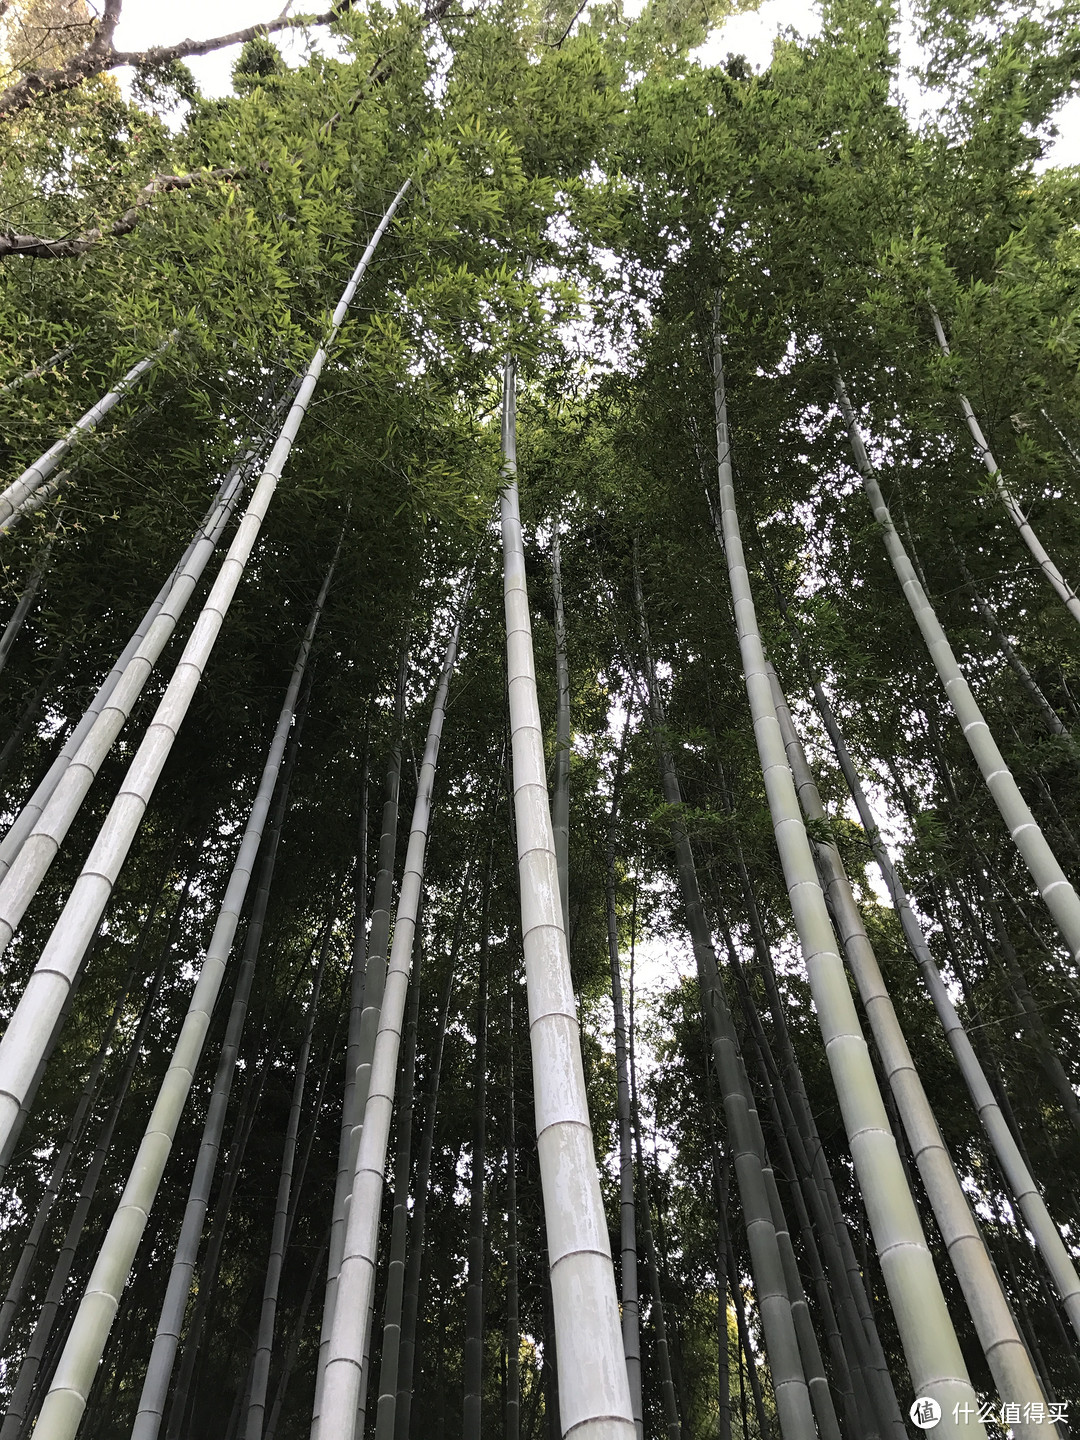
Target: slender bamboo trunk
{"points": [[667, 1384], [1051, 721], [473, 1359], [560, 800], [260, 1370], [368, 980], [155, 1389], [43, 998], [781, 1342], [34, 476], [746, 1350], [352, 1310], [418, 1223], [293, 1348], [1065, 591], [26, 599], [1060, 897], [26, 1392], [192, 562], [37, 370], [63, 1407], [17, 1287], [513, 1325], [594, 1395], [934, 1357], [399, 1226], [1005, 1352], [631, 1323]]}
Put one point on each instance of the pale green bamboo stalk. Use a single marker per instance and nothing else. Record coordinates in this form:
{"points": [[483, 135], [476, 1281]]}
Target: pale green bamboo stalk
{"points": [[260, 1370], [1060, 897], [38, 500], [594, 1395], [351, 1325], [35, 475], [399, 1226], [1065, 591], [995, 1326], [1026, 1193], [933, 1354], [66, 1400], [473, 1355], [155, 1388], [31, 1024], [363, 1027], [560, 797]]}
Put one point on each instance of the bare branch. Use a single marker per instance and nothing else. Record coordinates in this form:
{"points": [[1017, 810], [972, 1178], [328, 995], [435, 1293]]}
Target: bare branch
{"points": [[100, 54], [71, 245]]}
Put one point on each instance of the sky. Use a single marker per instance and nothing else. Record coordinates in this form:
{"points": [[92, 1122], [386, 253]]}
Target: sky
{"points": [[148, 22]]}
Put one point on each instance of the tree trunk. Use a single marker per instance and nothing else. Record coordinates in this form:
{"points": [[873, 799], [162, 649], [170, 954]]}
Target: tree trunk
{"points": [[26, 599], [352, 1309], [560, 800], [473, 1359], [594, 1396]]}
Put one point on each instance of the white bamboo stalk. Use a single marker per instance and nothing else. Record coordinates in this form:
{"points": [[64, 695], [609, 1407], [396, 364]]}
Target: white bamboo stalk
{"points": [[64, 1404], [995, 1326], [37, 500], [933, 1354], [35, 475], [1005, 495], [31, 1023], [594, 1395], [1057, 891], [351, 1325], [212, 527]]}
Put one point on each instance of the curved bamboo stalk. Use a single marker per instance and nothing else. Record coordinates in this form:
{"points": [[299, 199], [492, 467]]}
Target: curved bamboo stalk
{"points": [[1026, 1193], [43, 998], [593, 1390], [260, 1376], [998, 1335], [352, 1310], [35, 475], [66, 1400], [1065, 591], [1056, 890], [933, 1354]]}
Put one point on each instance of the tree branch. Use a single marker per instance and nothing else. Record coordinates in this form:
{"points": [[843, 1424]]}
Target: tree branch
{"points": [[67, 246], [100, 54]]}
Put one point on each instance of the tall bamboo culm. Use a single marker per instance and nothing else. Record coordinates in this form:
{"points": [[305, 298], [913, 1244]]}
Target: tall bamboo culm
{"points": [[32, 1022], [995, 1326], [933, 1354], [66, 1400], [1065, 591], [349, 1333], [1026, 1193], [594, 1395], [34, 476]]}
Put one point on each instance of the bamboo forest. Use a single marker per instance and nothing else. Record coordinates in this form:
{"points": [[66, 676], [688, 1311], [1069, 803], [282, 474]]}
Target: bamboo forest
{"points": [[540, 724]]}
